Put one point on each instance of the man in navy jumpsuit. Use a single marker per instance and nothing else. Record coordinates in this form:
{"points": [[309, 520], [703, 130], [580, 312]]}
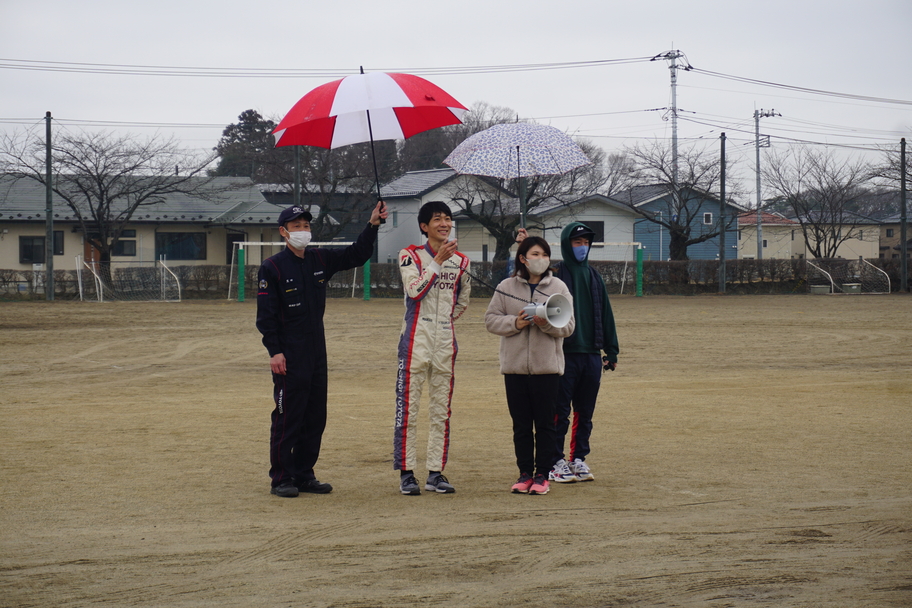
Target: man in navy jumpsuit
{"points": [[291, 299]]}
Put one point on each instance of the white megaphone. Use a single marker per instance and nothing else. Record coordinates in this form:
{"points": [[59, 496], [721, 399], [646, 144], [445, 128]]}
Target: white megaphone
{"points": [[557, 310]]}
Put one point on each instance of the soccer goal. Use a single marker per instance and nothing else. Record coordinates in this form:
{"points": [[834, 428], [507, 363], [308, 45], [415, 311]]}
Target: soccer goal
{"points": [[846, 276], [630, 253], [127, 281], [249, 255]]}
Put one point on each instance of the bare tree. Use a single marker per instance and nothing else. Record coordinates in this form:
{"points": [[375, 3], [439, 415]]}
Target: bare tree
{"points": [[341, 184], [104, 179], [699, 174], [428, 149], [622, 172], [887, 173], [822, 192]]}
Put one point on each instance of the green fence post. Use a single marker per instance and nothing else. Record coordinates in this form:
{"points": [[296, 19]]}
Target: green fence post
{"points": [[640, 272], [367, 281], [241, 267]]}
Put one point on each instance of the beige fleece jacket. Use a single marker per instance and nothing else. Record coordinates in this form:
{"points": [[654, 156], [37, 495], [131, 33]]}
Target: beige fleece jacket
{"points": [[532, 350]]}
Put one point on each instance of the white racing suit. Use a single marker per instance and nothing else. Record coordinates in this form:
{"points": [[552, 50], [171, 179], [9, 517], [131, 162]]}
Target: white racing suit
{"points": [[435, 296]]}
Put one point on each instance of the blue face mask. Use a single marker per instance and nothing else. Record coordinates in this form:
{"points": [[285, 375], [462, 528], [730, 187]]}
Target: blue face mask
{"points": [[580, 252]]}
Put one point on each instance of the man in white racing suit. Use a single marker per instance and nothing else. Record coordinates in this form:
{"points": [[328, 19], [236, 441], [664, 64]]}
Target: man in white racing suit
{"points": [[437, 286]]}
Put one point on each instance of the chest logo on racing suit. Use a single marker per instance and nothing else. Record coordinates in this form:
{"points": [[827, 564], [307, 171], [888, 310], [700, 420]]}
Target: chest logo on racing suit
{"points": [[447, 279]]}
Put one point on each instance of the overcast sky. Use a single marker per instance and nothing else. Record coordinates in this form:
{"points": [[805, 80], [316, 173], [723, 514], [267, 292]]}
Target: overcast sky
{"points": [[841, 46]]}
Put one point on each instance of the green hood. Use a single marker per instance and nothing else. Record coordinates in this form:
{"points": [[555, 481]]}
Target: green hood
{"points": [[567, 249]]}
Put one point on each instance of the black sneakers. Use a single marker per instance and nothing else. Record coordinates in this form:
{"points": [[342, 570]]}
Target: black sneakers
{"points": [[285, 490], [290, 489], [436, 482], [408, 485], [312, 486]]}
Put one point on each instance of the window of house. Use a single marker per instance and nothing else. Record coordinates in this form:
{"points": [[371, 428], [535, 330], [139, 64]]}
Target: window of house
{"points": [[599, 229], [707, 219], [395, 219], [889, 233], [739, 235], [180, 245], [126, 246], [793, 235], [764, 242], [861, 235], [31, 248]]}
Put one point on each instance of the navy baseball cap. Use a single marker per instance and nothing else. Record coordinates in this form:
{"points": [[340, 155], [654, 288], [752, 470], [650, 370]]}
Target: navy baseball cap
{"points": [[581, 230], [293, 213]]}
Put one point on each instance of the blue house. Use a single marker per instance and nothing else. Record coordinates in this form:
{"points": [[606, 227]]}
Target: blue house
{"points": [[697, 210]]}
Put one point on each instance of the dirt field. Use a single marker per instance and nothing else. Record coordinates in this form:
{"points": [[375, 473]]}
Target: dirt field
{"points": [[749, 451]]}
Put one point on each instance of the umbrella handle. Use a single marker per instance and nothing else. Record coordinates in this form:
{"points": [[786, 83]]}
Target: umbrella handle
{"points": [[370, 132]]}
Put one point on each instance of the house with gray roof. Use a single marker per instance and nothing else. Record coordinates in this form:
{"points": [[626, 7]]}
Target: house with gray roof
{"points": [[405, 195], [186, 230], [612, 222], [890, 245], [701, 212]]}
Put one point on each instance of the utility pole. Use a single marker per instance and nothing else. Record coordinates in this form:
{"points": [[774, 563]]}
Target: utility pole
{"points": [[758, 114], [722, 219], [49, 212], [672, 57], [903, 234]]}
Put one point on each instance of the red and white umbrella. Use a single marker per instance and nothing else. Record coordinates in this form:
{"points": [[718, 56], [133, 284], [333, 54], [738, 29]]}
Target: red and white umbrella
{"points": [[367, 107]]}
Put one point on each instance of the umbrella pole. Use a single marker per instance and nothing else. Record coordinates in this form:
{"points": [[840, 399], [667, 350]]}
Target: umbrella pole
{"points": [[522, 202], [370, 132], [522, 192]]}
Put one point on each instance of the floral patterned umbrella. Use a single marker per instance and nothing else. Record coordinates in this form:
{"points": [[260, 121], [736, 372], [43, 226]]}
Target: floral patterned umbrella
{"points": [[517, 149]]}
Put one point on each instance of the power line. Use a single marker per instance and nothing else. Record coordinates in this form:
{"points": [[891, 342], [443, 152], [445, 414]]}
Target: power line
{"points": [[216, 72], [788, 87], [791, 139]]}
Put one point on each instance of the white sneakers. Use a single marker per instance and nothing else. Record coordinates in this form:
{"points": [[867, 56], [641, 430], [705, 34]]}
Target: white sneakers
{"points": [[581, 470], [564, 472], [561, 472]]}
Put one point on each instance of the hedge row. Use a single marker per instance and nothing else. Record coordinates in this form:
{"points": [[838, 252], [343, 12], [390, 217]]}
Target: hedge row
{"points": [[659, 278]]}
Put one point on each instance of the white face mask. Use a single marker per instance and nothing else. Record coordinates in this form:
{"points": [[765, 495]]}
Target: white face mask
{"points": [[538, 266], [299, 239]]}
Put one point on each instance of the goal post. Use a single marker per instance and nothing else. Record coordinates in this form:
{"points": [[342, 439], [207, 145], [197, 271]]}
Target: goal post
{"points": [[254, 253], [629, 252], [831, 276], [130, 281]]}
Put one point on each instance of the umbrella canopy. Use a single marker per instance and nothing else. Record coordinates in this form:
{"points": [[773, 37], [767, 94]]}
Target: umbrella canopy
{"points": [[367, 107], [517, 149]]}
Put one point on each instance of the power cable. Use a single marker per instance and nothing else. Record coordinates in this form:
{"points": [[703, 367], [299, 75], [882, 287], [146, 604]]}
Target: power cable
{"points": [[767, 83], [216, 72]]}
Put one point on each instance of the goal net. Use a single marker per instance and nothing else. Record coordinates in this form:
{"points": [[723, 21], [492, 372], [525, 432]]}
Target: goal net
{"points": [[128, 281], [248, 256], [846, 276], [618, 276]]}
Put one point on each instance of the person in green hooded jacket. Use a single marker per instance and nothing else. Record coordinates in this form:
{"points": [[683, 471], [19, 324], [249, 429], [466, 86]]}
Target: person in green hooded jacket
{"points": [[583, 360]]}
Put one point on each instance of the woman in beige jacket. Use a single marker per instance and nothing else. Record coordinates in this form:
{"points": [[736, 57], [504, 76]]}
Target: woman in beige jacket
{"points": [[531, 360]]}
